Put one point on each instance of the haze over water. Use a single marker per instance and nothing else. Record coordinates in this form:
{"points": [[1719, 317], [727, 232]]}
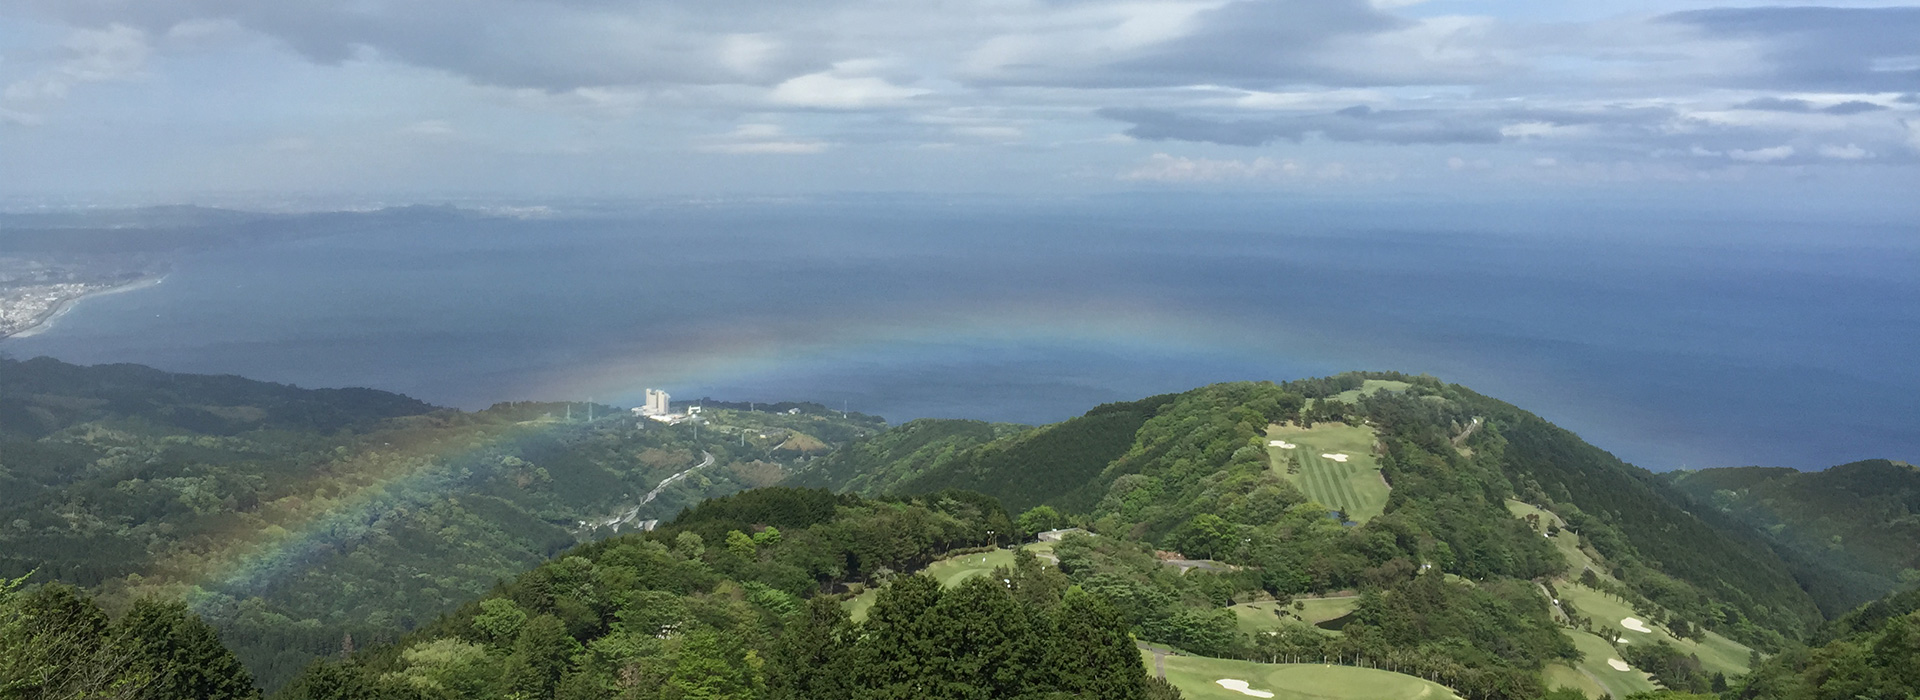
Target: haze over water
{"points": [[1710, 340]]}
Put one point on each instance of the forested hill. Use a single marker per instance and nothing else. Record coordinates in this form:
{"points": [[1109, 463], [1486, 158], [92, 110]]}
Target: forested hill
{"points": [[291, 518], [1171, 468], [1058, 464], [1852, 532], [42, 396]]}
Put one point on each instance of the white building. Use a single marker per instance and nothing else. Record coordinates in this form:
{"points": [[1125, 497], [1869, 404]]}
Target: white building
{"points": [[657, 402]]}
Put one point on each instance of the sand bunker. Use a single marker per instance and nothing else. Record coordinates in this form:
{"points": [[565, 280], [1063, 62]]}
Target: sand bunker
{"points": [[1334, 457], [1240, 686], [1282, 444], [1633, 624], [1619, 665]]}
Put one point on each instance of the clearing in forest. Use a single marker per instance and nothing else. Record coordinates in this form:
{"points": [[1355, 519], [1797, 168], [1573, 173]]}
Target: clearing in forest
{"points": [[949, 572], [1353, 485], [1257, 618], [1200, 678]]}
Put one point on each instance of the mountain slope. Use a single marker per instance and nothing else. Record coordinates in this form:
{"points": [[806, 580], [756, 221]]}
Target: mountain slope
{"points": [[291, 518], [1851, 531]]}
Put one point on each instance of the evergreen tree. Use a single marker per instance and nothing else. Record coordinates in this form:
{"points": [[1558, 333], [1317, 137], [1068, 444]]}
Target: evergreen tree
{"points": [[182, 654], [815, 659], [540, 657], [1092, 653], [987, 647], [894, 655]]}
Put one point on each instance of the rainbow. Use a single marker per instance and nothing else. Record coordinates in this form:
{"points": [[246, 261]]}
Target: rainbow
{"points": [[298, 532]]}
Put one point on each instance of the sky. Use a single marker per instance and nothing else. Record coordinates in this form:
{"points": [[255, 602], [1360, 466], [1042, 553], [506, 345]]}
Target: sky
{"points": [[175, 100]]}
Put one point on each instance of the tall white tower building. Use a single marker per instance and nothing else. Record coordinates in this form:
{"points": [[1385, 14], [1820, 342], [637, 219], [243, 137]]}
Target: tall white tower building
{"points": [[656, 403]]}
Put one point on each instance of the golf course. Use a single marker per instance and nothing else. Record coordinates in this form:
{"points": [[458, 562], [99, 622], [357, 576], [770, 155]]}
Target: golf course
{"points": [[1257, 618], [1201, 678], [948, 572], [1337, 466]]}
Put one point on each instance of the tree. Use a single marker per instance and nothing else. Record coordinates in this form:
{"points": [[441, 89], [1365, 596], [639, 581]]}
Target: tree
{"points": [[182, 654], [1205, 536], [893, 657], [540, 656], [741, 545], [1041, 519], [815, 659], [1092, 653], [499, 620]]}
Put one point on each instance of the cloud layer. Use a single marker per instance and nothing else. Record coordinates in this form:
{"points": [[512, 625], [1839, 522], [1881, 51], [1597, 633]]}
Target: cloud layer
{"points": [[1109, 85]]}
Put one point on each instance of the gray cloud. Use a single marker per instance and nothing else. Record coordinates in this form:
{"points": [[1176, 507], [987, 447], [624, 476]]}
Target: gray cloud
{"points": [[1824, 48], [1359, 124], [1776, 104]]}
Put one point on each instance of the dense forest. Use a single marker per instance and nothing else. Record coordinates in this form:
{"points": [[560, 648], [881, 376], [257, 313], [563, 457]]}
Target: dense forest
{"points": [[1851, 532], [733, 600]]}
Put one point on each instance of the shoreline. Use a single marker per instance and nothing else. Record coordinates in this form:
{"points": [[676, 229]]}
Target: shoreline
{"points": [[45, 322]]}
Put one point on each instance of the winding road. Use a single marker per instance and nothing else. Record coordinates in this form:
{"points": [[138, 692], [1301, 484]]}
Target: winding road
{"points": [[634, 513]]}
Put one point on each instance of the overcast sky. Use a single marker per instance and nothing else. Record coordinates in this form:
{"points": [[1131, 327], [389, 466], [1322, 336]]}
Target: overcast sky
{"points": [[641, 97]]}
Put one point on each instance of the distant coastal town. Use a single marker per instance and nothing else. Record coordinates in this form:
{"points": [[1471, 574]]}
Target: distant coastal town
{"points": [[33, 293]]}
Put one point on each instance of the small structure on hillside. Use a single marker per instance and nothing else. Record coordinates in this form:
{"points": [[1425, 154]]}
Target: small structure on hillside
{"points": [[1061, 534]]}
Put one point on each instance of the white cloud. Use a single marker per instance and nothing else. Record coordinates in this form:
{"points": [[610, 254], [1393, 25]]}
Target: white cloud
{"points": [[1847, 152], [1762, 155], [118, 52], [431, 127], [828, 90]]}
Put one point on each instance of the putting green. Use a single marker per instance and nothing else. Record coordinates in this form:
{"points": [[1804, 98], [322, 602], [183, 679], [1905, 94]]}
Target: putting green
{"points": [[1255, 618], [1354, 485], [948, 572], [1197, 678]]}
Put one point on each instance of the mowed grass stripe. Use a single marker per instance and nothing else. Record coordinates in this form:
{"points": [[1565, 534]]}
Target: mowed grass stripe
{"points": [[1336, 475]]}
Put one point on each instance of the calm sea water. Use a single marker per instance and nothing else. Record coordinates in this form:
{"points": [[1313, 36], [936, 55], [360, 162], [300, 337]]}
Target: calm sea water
{"points": [[1672, 340]]}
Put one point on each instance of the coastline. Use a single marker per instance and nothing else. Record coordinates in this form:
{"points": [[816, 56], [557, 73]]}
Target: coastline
{"points": [[45, 322]]}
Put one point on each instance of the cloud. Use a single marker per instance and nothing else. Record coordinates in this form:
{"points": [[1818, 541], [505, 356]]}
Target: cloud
{"points": [[830, 91], [769, 139], [1762, 155], [118, 52], [1776, 104], [1847, 152], [1354, 124], [1820, 48]]}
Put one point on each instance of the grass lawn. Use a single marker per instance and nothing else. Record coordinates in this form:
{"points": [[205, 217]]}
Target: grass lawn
{"points": [[1255, 618], [1578, 559], [1716, 653], [1369, 388], [1195, 677], [1560, 675], [1354, 486], [1617, 683], [947, 571]]}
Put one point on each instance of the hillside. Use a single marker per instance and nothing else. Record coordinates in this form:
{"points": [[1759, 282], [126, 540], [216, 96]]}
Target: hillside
{"points": [[290, 518], [1852, 532], [729, 601], [1871, 652]]}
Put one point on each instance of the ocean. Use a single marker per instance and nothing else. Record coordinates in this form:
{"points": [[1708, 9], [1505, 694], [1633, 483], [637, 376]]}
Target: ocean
{"points": [[1673, 339]]}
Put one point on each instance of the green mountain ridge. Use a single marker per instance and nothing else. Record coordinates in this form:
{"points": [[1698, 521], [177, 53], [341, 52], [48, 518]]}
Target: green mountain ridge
{"points": [[1851, 531], [1509, 555]]}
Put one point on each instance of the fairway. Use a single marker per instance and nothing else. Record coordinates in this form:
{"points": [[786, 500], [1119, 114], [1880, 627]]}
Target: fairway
{"points": [[1354, 485], [1198, 678], [947, 571], [1255, 618], [1370, 387], [1717, 653], [1617, 683]]}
